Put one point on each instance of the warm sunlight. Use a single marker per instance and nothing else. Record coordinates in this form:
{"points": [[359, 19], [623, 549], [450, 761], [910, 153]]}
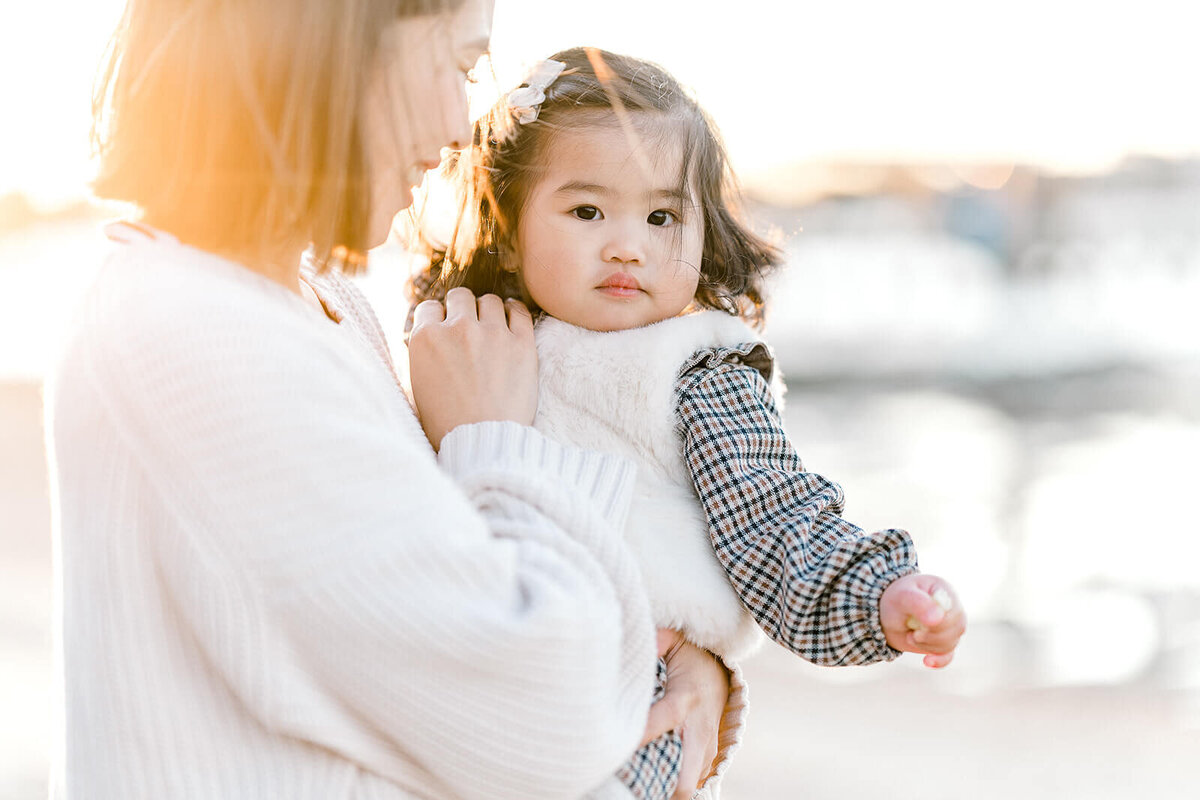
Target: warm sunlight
{"points": [[1061, 85], [989, 218], [48, 60]]}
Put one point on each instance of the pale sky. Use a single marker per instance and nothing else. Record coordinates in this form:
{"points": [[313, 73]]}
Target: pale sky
{"points": [[1068, 85]]}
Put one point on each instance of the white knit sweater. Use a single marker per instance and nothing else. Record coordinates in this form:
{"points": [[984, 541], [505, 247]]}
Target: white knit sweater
{"points": [[268, 589]]}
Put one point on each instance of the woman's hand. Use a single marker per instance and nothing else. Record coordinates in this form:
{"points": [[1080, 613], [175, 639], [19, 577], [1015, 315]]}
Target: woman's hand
{"points": [[471, 361], [920, 614], [697, 691]]}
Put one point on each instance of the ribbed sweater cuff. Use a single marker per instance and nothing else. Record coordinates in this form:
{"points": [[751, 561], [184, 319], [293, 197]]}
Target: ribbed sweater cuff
{"points": [[485, 446]]}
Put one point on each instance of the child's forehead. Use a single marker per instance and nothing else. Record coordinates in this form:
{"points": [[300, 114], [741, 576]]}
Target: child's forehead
{"points": [[640, 148]]}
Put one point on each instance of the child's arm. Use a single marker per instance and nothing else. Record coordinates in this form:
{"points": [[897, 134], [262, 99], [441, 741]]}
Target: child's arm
{"points": [[812, 580]]}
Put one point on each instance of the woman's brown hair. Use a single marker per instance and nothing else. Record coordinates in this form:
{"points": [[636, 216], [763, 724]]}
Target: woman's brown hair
{"points": [[234, 124], [497, 172]]}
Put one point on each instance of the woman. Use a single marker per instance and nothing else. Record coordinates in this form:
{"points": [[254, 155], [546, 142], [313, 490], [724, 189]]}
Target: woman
{"points": [[268, 586]]}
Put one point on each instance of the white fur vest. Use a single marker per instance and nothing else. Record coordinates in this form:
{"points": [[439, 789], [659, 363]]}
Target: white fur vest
{"points": [[615, 392]]}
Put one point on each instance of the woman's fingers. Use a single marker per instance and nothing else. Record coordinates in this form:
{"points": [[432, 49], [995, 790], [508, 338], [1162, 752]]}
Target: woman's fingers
{"points": [[696, 763], [668, 640], [461, 304], [670, 712], [710, 758], [429, 312], [491, 310], [693, 767], [696, 694], [699, 741], [488, 309], [666, 715], [464, 366], [520, 321]]}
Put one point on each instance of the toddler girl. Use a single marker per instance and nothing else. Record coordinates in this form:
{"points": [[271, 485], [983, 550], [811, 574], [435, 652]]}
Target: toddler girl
{"points": [[599, 194]]}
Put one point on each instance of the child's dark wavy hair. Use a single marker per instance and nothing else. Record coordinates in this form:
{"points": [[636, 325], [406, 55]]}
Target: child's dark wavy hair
{"points": [[495, 175]]}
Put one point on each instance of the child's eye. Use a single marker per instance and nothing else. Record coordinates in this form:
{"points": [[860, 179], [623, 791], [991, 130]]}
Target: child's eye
{"points": [[586, 212], [662, 218]]}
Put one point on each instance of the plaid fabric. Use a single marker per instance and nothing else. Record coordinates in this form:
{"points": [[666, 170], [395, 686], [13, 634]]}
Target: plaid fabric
{"points": [[653, 771], [811, 579]]}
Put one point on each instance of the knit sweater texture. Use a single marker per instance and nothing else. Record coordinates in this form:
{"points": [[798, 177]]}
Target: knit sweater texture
{"points": [[267, 588]]}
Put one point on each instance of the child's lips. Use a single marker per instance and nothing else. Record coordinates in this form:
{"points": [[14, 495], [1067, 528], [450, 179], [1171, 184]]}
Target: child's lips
{"points": [[620, 284]]}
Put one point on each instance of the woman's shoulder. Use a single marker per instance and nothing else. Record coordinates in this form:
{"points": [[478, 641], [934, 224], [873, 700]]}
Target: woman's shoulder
{"points": [[153, 279], [157, 303], [154, 272], [164, 325]]}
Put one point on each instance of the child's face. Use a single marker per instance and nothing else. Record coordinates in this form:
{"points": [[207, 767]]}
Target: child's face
{"points": [[605, 241]]}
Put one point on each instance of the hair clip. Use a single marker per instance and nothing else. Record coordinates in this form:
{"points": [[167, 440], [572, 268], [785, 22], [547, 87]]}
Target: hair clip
{"points": [[525, 101]]}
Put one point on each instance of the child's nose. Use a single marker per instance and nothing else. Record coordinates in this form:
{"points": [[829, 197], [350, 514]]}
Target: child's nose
{"points": [[627, 245]]}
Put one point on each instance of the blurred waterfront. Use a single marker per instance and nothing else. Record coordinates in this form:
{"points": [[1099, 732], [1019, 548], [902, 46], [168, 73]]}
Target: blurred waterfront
{"points": [[1004, 362]]}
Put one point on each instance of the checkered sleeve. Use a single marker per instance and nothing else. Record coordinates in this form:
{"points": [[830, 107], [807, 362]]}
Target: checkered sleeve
{"points": [[811, 579], [653, 771]]}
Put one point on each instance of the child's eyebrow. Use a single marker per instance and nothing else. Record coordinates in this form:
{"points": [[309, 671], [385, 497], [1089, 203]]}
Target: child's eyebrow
{"points": [[671, 194], [581, 186], [570, 187]]}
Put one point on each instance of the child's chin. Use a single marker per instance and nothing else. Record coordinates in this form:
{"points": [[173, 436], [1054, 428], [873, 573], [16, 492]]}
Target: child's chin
{"points": [[610, 325]]}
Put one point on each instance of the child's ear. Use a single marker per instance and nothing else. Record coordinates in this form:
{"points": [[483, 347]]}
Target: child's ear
{"points": [[508, 259], [511, 285]]}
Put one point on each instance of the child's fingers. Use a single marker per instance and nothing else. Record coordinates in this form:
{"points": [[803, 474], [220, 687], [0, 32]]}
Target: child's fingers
{"points": [[931, 605], [920, 613], [934, 642], [943, 637], [939, 660], [923, 612]]}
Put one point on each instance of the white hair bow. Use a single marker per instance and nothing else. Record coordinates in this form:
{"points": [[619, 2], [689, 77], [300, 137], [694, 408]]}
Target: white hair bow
{"points": [[525, 102]]}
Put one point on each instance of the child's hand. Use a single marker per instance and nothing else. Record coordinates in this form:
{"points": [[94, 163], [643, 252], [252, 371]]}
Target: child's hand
{"points": [[920, 614]]}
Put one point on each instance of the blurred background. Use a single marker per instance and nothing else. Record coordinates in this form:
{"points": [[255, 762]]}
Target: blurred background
{"points": [[988, 323]]}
